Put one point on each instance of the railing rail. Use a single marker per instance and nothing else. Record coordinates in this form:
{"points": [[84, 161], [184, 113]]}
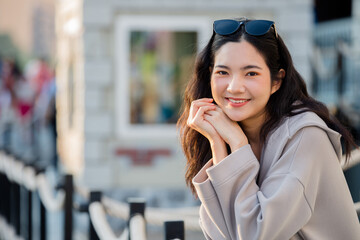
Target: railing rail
{"points": [[16, 175]]}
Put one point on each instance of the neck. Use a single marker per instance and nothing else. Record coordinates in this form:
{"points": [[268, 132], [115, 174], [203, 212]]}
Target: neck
{"points": [[252, 127], [252, 133]]}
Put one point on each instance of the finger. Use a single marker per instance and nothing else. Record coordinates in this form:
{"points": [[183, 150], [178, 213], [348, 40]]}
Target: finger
{"points": [[210, 118], [201, 102], [199, 116], [195, 105], [204, 99], [212, 112], [200, 124], [196, 118]]}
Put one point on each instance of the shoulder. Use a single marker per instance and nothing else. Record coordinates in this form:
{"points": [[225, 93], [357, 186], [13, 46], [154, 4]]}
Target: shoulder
{"points": [[309, 122], [303, 120], [289, 126]]}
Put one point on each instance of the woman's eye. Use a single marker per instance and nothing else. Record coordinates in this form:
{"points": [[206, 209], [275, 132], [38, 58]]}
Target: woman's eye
{"points": [[221, 72], [251, 74]]}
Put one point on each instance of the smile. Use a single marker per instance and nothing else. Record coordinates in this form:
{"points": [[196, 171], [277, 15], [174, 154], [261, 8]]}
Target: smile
{"points": [[238, 100]]}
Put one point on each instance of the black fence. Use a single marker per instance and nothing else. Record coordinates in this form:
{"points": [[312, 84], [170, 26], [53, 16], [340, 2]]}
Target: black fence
{"points": [[26, 196]]}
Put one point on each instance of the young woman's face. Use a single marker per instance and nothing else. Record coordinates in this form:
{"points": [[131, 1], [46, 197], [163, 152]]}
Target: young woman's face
{"points": [[240, 82]]}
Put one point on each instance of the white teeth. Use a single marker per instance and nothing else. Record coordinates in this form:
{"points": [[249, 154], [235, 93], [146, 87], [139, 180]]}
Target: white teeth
{"points": [[237, 101]]}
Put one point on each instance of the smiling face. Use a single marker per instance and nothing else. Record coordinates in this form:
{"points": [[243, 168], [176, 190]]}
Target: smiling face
{"points": [[241, 83]]}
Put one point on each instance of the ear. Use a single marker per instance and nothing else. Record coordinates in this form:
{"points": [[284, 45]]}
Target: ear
{"points": [[276, 84], [210, 69]]}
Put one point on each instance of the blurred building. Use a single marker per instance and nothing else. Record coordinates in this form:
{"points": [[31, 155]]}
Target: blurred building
{"points": [[122, 66], [337, 52], [336, 68], [336, 60], [27, 28]]}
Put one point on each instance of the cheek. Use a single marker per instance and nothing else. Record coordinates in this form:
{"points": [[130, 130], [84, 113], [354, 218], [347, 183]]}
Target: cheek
{"points": [[259, 89], [215, 91], [214, 87], [218, 85]]}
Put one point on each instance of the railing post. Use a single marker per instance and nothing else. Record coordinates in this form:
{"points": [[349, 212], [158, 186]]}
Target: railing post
{"points": [[94, 197], [174, 230], [12, 207], [17, 208], [29, 214], [68, 215], [136, 206], [28, 205], [2, 189], [43, 224], [40, 169], [5, 194], [7, 200], [23, 204]]}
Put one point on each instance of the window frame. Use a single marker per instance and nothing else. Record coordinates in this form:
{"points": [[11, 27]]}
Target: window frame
{"points": [[123, 26]]}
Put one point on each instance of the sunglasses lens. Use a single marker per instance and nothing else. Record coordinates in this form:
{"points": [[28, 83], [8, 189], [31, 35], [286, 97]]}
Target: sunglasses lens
{"points": [[258, 27], [226, 26]]}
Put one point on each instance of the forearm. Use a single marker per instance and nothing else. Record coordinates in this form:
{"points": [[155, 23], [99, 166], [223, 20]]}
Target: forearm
{"points": [[218, 149], [238, 143]]}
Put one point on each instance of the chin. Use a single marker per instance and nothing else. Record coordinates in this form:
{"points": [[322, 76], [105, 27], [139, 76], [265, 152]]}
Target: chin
{"points": [[235, 117]]}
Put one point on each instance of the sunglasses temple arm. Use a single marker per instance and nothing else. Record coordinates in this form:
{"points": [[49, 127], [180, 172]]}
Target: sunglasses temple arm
{"points": [[276, 34]]}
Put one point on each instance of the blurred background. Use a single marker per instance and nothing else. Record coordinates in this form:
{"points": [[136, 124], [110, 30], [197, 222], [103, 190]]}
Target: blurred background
{"points": [[94, 88]]}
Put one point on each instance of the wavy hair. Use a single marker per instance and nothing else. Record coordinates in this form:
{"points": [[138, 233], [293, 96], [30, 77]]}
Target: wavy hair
{"points": [[281, 104]]}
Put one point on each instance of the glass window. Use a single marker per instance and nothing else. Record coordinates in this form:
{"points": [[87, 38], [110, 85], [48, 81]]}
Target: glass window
{"points": [[155, 57], [161, 63]]}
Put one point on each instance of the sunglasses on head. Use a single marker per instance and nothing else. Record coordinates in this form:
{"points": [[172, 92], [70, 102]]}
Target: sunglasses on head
{"points": [[253, 27]]}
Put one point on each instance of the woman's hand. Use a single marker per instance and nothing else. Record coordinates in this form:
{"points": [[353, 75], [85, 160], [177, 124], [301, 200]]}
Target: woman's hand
{"points": [[229, 130], [196, 121]]}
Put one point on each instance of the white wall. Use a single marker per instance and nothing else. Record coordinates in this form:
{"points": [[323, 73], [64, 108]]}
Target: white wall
{"points": [[102, 168]]}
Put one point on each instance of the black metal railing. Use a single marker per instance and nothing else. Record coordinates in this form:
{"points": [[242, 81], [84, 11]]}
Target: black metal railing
{"points": [[27, 199]]}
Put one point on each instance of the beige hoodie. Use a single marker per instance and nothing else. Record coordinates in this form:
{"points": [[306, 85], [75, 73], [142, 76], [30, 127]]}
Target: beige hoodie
{"points": [[296, 191]]}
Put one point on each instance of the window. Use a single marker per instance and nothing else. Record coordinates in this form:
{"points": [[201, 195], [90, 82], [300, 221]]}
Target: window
{"points": [[155, 58]]}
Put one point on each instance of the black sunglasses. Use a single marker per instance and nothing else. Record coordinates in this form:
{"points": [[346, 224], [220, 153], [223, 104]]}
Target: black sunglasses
{"points": [[254, 27]]}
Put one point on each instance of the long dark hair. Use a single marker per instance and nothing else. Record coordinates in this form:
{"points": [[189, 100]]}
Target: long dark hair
{"points": [[281, 104]]}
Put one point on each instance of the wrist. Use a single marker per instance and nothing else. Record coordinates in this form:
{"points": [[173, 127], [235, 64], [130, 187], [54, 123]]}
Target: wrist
{"points": [[218, 150], [235, 145], [217, 144]]}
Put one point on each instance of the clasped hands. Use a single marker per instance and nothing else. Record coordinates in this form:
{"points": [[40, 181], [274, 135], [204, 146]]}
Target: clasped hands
{"points": [[209, 119]]}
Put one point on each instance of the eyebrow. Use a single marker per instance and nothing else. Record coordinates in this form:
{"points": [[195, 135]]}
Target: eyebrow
{"points": [[242, 68]]}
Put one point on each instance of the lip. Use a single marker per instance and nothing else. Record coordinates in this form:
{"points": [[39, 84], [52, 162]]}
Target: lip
{"points": [[240, 104]]}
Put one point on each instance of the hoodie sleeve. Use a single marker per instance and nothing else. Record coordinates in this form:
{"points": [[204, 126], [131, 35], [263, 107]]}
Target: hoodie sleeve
{"points": [[214, 223], [277, 209]]}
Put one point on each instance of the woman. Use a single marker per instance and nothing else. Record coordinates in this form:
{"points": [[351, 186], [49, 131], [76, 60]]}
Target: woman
{"points": [[263, 156]]}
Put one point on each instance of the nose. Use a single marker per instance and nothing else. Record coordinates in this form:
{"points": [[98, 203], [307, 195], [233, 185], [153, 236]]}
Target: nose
{"points": [[236, 85]]}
